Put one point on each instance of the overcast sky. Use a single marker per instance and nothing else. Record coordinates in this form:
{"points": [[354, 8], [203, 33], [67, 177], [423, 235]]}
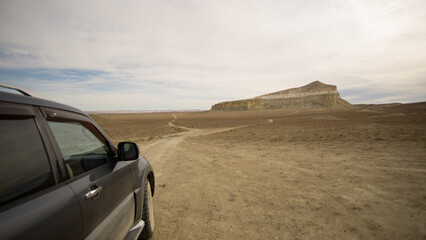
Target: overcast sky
{"points": [[157, 55]]}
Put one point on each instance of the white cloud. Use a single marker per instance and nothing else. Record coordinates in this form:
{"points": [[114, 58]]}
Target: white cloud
{"points": [[209, 51]]}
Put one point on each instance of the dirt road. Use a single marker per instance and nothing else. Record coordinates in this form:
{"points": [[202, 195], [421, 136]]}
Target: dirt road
{"points": [[164, 150], [197, 193]]}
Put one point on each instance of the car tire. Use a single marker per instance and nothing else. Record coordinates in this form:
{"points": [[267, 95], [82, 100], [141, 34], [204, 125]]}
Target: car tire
{"points": [[148, 213]]}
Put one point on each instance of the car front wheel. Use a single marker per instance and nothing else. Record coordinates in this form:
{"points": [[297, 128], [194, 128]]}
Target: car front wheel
{"points": [[148, 213]]}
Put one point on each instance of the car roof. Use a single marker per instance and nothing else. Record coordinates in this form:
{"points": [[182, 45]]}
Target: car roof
{"points": [[23, 97]]}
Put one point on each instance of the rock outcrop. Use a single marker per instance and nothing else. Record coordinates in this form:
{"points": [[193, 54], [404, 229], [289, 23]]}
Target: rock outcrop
{"points": [[315, 95]]}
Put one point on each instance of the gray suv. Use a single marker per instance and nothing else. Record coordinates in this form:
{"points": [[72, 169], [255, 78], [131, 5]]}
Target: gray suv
{"points": [[62, 178]]}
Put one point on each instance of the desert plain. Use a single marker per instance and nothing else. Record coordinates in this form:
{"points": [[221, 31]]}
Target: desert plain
{"points": [[284, 174]]}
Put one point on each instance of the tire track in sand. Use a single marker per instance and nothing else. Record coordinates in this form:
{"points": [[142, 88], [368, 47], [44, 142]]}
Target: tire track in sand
{"points": [[161, 151]]}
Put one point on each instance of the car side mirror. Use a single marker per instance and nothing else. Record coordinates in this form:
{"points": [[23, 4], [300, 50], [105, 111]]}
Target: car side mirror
{"points": [[128, 151]]}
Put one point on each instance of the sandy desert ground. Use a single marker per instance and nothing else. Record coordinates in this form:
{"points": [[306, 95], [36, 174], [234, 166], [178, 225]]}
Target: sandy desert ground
{"points": [[284, 174]]}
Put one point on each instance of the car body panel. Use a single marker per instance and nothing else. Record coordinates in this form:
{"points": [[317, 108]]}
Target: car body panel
{"points": [[41, 217], [116, 183], [141, 171]]}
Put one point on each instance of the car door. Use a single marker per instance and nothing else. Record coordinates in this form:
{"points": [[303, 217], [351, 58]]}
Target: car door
{"points": [[34, 201], [102, 184]]}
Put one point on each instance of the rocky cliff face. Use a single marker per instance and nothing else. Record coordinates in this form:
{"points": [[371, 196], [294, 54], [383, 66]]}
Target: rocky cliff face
{"points": [[315, 95]]}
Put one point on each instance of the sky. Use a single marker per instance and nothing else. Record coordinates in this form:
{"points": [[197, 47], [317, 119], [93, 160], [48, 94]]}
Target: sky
{"points": [[191, 54]]}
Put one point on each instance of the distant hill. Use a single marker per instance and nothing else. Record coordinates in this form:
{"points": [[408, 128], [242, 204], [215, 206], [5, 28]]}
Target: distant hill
{"points": [[315, 95]]}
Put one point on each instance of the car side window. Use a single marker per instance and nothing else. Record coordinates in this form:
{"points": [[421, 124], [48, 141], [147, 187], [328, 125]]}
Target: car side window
{"points": [[25, 167], [81, 148]]}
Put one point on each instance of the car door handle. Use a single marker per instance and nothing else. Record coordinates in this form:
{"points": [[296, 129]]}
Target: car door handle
{"points": [[93, 193]]}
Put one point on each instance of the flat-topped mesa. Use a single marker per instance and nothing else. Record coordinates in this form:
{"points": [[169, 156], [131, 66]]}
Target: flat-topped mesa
{"points": [[315, 95], [313, 88]]}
